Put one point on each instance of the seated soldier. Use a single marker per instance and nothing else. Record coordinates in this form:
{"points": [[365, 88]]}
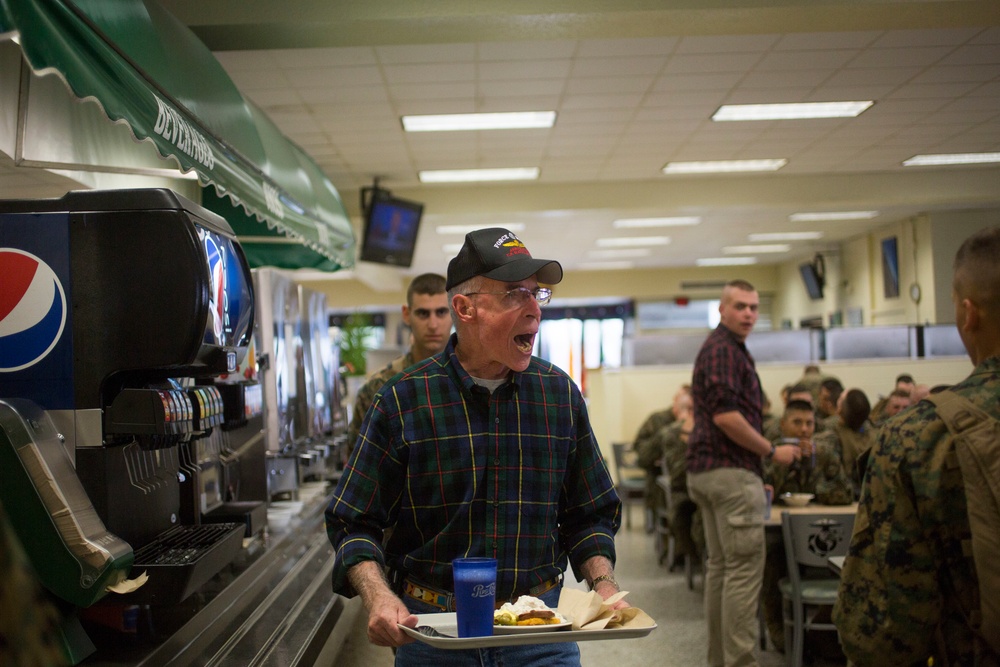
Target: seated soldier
{"points": [[851, 434], [683, 516], [904, 382], [822, 475], [895, 403], [797, 392], [648, 450], [829, 394]]}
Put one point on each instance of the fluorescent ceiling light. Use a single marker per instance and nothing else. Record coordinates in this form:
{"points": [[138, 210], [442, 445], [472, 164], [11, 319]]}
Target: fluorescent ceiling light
{"points": [[475, 175], [725, 261], [951, 158], [465, 229], [604, 266], [618, 253], [516, 120], [791, 111], [754, 249], [678, 221], [785, 236], [626, 241], [724, 166], [833, 215]]}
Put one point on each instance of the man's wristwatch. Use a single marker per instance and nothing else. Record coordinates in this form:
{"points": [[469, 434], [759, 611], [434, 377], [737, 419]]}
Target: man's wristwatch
{"points": [[604, 577], [770, 455]]}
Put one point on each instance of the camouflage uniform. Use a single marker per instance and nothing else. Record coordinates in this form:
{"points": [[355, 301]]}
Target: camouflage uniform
{"points": [[684, 517], [29, 621], [367, 393], [876, 415], [851, 444], [648, 453], [827, 479], [831, 485], [905, 577]]}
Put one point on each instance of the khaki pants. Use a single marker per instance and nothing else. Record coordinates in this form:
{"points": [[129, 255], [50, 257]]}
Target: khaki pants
{"points": [[732, 506]]}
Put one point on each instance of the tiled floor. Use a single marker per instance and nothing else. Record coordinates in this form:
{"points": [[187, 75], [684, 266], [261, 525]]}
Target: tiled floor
{"points": [[679, 639]]}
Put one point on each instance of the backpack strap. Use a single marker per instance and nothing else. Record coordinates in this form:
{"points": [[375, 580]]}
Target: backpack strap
{"points": [[975, 449]]}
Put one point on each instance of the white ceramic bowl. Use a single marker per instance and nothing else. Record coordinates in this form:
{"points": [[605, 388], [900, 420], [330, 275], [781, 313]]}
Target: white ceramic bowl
{"points": [[797, 499], [294, 505], [278, 518]]}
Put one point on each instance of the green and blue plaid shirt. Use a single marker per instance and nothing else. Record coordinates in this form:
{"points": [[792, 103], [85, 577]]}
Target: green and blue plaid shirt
{"points": [[456, 471]]}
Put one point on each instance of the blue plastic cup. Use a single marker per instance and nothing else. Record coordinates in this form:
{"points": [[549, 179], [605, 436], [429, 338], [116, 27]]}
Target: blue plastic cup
{"points": [[475, 595]]}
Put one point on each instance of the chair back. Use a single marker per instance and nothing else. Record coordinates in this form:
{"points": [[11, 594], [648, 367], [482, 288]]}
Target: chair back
{"points": [[810, 539], [626, 464], [663, 481]]}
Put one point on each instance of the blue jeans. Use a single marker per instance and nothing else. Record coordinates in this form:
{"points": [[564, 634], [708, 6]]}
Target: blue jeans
{"points": [[418, 654]]}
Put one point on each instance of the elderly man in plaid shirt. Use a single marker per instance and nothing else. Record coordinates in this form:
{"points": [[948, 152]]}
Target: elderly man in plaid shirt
{"points": [[481, 450]]}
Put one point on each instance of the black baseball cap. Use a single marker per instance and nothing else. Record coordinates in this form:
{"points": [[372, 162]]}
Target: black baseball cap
{"points": [[498, 254]]}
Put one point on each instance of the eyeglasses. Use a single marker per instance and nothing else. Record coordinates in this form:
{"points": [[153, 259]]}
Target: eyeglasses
{"points": [[521, 296]]}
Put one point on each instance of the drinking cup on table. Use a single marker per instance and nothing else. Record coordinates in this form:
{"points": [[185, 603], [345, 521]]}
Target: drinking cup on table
{"points": [[475, 595]]}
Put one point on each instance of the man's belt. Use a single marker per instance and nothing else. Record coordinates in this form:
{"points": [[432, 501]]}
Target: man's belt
{"points": [[445, 600]]}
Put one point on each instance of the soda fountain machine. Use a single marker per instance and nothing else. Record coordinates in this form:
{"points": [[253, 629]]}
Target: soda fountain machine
{"points": [[282, 374], [124, 317], [318, 415]]}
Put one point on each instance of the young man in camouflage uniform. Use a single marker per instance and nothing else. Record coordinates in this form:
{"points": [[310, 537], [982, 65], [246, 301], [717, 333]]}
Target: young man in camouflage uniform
{"points": [[906, 585], [648, 448], [826, 479], [426, 314]]}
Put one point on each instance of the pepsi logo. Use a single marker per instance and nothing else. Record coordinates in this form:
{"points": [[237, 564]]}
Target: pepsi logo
{"points": [[32, 310]]}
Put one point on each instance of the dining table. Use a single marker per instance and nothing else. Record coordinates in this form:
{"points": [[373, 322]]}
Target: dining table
{"points": [[774, 521]]}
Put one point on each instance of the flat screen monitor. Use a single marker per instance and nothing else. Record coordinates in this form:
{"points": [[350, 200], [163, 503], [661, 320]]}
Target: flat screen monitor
{"points": [[812, 280], [890, 267], [390, 233]]}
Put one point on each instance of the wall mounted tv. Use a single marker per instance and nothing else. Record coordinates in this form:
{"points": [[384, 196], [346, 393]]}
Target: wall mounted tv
{"points": [[391, 226], [812, 278]]}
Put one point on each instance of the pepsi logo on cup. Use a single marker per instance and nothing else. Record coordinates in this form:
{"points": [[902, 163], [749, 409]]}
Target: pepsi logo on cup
{"points": [[32, 310]]}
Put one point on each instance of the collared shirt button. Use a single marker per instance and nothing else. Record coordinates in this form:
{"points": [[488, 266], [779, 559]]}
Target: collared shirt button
{"points": [[496, 420], [496, 461]]}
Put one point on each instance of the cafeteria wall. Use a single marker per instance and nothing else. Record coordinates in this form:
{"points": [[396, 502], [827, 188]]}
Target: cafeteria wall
{"points": [[620, 399]]}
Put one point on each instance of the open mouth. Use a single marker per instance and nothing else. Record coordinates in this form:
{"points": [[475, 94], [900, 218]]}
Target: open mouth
{"points": [[525, 342]]}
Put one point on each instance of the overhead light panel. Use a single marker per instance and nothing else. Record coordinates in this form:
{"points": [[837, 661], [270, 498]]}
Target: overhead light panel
{"points": [[947, 159], [619, 253], [784, 236], [479, 175], [625, 241], [790, 111], [677, 221], [755, 249], [725, 261], [832, 216], [724, 166], [456, 122], [604, 266], [465, 229]]}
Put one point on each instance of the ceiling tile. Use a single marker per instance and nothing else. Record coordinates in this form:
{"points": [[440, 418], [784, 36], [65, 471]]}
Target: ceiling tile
{"points": [[524, 70], [542, 50], [425, 53]]}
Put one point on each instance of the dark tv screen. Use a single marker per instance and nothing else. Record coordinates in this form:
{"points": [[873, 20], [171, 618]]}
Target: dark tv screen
{"points": [[391, 227], [890, 267], [812, 280]]}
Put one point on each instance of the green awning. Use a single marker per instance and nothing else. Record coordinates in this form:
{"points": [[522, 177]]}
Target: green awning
{"points": [[148, 70]]}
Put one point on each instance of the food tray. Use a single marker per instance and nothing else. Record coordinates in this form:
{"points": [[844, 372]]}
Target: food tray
{"points": [[448, 624]]}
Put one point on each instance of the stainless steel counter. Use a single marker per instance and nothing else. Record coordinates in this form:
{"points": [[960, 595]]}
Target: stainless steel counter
{"points": [[274, 606]]}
